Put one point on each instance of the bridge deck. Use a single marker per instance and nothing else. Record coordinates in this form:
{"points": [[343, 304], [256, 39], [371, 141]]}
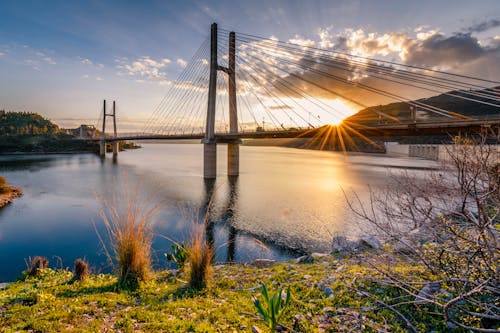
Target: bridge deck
{"points": [[402, 129]]}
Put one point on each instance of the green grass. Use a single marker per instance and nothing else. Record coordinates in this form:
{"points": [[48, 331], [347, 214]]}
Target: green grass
{"points": [[53, 303]]}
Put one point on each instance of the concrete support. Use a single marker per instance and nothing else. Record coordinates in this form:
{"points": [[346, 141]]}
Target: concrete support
{"points": [[233, 149], [115, 143], [102, 146], [210, 146], [209, 160]]}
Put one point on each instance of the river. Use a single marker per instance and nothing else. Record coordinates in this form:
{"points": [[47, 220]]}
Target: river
{"points": [[285, 201]]}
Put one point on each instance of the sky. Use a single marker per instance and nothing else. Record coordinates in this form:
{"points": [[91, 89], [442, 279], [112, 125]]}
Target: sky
{"points": [[62, 58]]}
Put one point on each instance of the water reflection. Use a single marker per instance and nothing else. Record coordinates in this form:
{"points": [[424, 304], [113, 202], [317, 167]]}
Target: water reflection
{"points": [[283, 198]]}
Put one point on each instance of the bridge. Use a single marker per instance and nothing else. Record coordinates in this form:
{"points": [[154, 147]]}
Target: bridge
{"points": [[299, 90]]}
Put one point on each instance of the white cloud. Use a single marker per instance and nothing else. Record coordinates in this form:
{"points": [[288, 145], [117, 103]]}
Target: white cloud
{"points": [[87, 62], [326, 38], [99, 78], [144, 67], [302, 42], [42, 56], [181, 62]]}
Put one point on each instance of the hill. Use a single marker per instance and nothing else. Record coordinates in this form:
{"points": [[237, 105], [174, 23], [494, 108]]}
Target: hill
{"points": [[401, 110], [28, 132], [26, 123]]}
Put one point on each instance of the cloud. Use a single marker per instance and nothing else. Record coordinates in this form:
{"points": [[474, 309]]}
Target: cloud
{"points": [[181, 62], [144, 67], [302, 42], [483, 26], [276, 71], [43, 57], [439, 50], [87, 62]]}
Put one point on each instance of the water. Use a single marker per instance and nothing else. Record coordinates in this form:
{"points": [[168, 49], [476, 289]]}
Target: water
{"points": [[284, 201]]}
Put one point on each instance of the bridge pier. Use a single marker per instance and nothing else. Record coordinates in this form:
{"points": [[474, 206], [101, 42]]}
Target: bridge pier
{"points": [[210, 160], [115, 150], [102, 148], [233, 159]]}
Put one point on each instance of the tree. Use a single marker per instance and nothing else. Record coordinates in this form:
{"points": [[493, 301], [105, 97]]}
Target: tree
{"points": [[448, 222]]}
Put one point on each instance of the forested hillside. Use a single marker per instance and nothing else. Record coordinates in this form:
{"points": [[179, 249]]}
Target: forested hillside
{"points": [[26, 123]]}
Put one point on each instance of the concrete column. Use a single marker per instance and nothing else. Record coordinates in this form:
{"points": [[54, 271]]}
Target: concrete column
{"points": [[233, 159], [210, 147], [102, 147], [115, 134], [209, 160], [115, 151], [233, 149]]}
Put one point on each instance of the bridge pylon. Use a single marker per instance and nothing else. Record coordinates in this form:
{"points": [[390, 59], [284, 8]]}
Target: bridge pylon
{"points": [[102, 146], [209, 142]]}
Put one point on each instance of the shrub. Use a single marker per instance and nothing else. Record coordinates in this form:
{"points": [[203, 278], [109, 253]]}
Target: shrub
{"points": [[81, 270], [37, 265]]}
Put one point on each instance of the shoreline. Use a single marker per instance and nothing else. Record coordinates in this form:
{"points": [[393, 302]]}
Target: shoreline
{"points": [[9, 194]]}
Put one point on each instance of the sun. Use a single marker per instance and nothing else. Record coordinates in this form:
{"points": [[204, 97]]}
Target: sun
{"points": [[337, 111]]}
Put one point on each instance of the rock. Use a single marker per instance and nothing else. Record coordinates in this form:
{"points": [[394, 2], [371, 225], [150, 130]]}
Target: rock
{"points": [[307, 259], [317, 255], [219, 266], [324, 286], [255, 329], [450, 325], [307, 277], [369, 241], [4, 284], [403, 246], [329, 310], [427, 292], [325, 263], [342, 244], [263, 263]]}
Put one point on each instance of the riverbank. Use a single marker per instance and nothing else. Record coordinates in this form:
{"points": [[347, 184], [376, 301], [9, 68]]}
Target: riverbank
{"points": [[8, 193], [327, 295]]}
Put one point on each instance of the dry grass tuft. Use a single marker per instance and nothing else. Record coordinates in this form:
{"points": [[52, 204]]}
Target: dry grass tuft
{"points": [[37, 265], [127, 221], [200, 258], [81, 270]]}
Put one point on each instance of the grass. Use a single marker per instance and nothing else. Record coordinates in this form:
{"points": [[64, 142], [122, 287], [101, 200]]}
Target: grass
{"points": [[128, 227], [51, 303], [200, 255]]}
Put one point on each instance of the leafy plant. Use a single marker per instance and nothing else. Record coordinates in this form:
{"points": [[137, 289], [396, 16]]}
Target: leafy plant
{"points": [[179, 255], [273, 308]]}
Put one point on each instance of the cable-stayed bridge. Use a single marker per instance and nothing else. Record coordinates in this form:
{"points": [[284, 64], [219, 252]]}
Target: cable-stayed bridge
{"points": [[244, 86]]}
